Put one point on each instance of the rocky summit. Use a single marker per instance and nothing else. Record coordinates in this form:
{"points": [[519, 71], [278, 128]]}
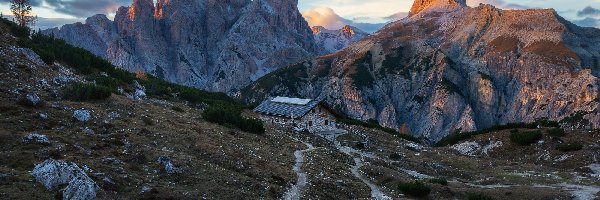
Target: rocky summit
{"points": [[331, 41], [210, 44], [451, 68]]}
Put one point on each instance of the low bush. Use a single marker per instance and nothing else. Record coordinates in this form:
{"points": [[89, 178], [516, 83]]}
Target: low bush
{"points": [[395, 156], [86, 92], [374, 125], [478, 196], [457, 137], [416, 189], [526, 138], [556, 132], [177, 109], [228, 115], [569, 147], [440, 181]]}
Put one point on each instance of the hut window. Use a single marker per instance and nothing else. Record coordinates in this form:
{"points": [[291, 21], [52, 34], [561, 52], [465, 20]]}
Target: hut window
{"points": [[326, 122], [309, 123]]}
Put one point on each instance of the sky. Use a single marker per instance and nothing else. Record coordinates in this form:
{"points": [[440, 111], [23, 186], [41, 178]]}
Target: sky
{"points": [[368, 15]]}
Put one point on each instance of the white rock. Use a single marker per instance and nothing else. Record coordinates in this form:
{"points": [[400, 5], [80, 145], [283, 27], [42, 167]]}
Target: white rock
{"points": [[88, 131], [82, 115], [32, 56], [413, 146], [139, 94], [467, 148], [167, 163], [54, 173], [113, 115], [36, 138], [31, 100]]}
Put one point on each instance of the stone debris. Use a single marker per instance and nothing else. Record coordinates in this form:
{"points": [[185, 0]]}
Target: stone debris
{"points": [[466, 148], [475, 149]]}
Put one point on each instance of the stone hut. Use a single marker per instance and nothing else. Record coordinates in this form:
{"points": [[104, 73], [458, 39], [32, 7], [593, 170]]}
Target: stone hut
{"points": [[305, 114]]}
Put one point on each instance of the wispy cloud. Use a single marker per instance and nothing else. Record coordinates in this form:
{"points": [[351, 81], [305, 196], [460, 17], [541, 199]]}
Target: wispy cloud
{"points": [[326, 17], [589, 12]]}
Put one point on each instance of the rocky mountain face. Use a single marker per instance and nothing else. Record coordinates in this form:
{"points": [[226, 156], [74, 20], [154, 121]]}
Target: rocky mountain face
{"points": [[209, 44], [449, 67], [331, 41]]}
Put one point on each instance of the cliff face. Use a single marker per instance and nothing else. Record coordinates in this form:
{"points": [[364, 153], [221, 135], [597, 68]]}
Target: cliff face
{"points": [[215, 45], [331, 41], [456, 68]]}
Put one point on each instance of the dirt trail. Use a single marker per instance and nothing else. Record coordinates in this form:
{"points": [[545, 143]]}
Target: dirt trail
{"points": [[357, 156], [295, 191]]}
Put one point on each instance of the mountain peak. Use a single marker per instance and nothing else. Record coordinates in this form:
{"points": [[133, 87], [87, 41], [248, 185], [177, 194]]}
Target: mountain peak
{"points": [[420, 5]]}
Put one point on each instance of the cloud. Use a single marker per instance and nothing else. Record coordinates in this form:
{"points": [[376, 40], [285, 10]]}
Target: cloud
{"points": [[396, 16], [326, 17], [46, 23], [31, 2], [588, 12], [588, 22], [78, 8], [86, 8]]}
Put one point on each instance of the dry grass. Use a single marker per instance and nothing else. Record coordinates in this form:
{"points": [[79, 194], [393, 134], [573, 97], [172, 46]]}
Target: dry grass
{"points": [[505, 44], [557, 53]]}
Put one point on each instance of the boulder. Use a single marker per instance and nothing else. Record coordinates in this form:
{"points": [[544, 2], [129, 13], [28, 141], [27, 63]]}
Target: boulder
{"points": [[168, 165], [82, 115], [32, 100], [140, 91], [36, 138], [54, 173], [32, 56]]}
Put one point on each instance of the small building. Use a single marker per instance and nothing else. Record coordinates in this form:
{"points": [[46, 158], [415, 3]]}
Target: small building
{"points": [[305, 114]]}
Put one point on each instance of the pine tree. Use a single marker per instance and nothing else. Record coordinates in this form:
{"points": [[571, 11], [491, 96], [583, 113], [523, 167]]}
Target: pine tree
{"points": [[21, 9]]}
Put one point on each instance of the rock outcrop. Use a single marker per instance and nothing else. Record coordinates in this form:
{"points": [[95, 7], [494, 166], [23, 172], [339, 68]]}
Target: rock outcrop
{"points": [[421, 5], [331, 41], [208, 44], [455, 68]]}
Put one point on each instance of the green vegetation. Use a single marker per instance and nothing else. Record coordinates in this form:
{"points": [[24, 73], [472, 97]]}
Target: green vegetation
{"points": [[289, 77], [485, 76], [362, 77], [457, 137], [228, 115], [556, 132], [478, 196], [395, 156], [416, 189], [569, 147], [86, 92], [526, 138], [440, 181], [374, 125], [177, 109], [450, 87], [15, 29], [575, 118]]}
